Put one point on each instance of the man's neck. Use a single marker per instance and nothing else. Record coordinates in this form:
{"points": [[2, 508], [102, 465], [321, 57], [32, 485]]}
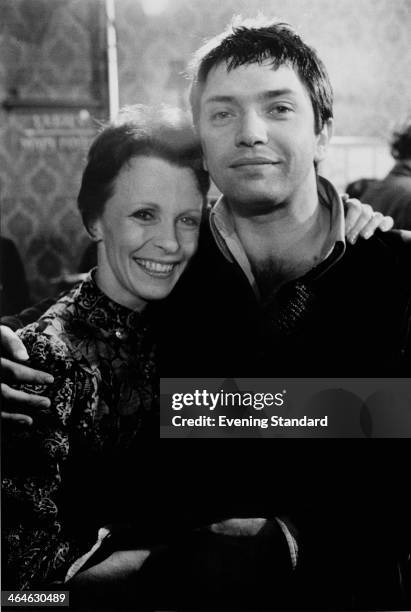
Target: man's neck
{"points": [[290, 239]]}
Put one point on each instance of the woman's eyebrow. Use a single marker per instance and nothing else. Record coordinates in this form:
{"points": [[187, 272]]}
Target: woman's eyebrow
{"points": [[145, 203]]}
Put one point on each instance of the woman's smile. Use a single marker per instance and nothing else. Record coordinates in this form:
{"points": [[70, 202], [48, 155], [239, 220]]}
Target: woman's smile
{"points": [[156, 268]]}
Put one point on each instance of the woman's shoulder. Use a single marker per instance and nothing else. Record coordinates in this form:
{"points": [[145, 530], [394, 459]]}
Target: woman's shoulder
{"points": [[47, 349]]}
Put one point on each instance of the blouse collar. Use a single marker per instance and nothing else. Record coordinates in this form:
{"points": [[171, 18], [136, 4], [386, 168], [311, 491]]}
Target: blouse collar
{"points": [[101, 312]]}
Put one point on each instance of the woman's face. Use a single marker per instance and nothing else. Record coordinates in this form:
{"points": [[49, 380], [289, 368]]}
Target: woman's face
{"points": [[148, 231]]}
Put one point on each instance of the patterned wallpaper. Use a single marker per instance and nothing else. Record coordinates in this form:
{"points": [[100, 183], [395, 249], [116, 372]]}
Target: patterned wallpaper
{"points": [[52, 82], [52, 57]]}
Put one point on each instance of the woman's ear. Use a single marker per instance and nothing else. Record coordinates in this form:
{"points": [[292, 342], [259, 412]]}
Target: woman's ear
{"points": [[95, 230]]}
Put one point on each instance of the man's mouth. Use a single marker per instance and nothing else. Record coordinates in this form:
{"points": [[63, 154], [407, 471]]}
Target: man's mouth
{"points": [[252, 161], [156, 268]]}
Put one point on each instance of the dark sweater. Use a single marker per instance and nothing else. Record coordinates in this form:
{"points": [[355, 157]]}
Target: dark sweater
{"points": [[351, 321]]}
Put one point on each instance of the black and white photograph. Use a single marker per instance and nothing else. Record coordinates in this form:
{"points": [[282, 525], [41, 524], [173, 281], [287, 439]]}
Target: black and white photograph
{"points": [[205, 235]]}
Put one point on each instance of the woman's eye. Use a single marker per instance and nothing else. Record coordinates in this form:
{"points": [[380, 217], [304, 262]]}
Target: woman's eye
{"points": [[190, 221]]}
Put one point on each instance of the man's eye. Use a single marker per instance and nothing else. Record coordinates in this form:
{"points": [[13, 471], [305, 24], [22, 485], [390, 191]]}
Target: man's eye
{"points": [[143, 215], [221, 115], [280, 109]]}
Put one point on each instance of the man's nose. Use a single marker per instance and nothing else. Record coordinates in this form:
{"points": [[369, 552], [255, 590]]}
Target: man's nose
{"points": [[252, 130], [166, 238]]}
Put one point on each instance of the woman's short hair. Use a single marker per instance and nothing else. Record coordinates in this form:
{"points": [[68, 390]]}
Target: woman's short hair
{"points": [[162, 132]]}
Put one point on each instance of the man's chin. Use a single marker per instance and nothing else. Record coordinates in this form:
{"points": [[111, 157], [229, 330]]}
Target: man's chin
{"points": [[255, 202]]}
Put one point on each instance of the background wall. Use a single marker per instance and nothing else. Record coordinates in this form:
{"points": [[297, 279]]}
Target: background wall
{"points": [[52, 82], [365, 45], [54, 49]]}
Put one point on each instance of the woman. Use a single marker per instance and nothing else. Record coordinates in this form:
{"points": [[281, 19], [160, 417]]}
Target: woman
{"points": [[141, 200]]}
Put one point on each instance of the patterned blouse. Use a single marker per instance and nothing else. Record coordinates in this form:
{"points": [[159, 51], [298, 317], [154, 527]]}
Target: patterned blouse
{"points": [[58, 475]]}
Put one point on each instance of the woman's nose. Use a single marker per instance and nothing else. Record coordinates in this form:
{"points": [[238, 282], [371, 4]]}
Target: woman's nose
{"points": [[252, 130], [167, 239]]}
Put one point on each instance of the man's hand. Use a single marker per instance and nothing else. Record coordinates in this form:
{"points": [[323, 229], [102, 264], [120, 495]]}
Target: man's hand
{"points": [[15, 372], [238, 526], [361, 220]]}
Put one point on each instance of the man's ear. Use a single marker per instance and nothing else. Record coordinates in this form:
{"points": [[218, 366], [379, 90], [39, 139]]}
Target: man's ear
{"points": [[323, 140]]}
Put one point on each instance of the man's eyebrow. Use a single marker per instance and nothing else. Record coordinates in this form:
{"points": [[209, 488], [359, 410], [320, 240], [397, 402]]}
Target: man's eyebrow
{"points": [[275, 93], [226, 99], [264, 95]]}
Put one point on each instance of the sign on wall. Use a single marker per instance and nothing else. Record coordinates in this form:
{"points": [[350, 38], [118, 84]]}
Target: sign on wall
{"points": [[52, 131]]}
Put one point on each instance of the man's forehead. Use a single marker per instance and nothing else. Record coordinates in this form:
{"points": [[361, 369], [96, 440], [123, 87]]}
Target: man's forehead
{"points": [[261, 80]]}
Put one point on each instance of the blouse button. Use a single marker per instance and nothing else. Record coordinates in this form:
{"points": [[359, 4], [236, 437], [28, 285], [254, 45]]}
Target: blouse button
{"points": [[120, 334]]}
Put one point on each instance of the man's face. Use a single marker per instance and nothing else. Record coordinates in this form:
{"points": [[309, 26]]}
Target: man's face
{"points": [[257, 130]]}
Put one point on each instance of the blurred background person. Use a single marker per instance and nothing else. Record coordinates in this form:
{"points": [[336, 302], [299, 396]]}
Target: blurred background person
{"points": [[392, 195]]}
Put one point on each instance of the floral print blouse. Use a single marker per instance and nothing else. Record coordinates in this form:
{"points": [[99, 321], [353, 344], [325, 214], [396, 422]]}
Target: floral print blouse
{"points": [[57, 474]]}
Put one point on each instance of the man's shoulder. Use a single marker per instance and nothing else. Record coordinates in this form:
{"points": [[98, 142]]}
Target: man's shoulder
{"points": [[388, 253], [398, 240], [405, 236]]}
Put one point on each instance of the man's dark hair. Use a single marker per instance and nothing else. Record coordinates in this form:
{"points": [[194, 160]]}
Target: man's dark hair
{"points": [[160, 132], [255, 41], [401, 143]]}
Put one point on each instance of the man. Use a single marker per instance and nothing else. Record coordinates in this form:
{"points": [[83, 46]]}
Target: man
{"points": [[276, 291], [392, 195], [287, 287]]}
